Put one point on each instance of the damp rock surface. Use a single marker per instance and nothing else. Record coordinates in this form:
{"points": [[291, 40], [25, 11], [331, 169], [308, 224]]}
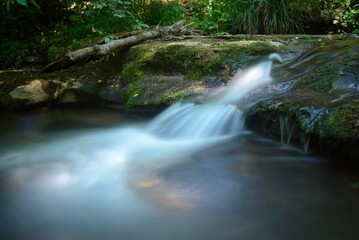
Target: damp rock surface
{"points": [[154, 74], [321, 104]]}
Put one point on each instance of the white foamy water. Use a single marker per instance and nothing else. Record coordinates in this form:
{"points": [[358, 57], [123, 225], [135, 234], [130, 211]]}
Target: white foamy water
{"points": [[217, 117]]}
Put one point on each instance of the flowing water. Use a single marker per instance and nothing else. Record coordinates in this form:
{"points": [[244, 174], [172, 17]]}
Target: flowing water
{"points": [[193, 172]]}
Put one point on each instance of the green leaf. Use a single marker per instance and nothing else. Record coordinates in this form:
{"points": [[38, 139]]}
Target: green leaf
{"points": [[22, 2]]}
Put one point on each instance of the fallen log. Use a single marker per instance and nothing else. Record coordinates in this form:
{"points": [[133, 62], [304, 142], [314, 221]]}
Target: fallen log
{"points": [[98, 50]]}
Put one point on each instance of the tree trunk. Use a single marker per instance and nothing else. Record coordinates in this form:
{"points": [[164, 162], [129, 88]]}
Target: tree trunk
{"points": [[98, 50]]}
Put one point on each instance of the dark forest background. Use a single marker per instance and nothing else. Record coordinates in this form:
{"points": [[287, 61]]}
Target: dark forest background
{"points": [[49, 28]]}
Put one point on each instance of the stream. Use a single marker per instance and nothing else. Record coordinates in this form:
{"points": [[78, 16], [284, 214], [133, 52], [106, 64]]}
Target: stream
{"points": [[191, 172], [61, 179]]}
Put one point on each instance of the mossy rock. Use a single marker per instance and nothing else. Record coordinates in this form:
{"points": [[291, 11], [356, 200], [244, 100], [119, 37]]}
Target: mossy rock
{"points": [[318, 99], [338, 132], [159, 91], [192, 59], [341, 123], [335, 66], [333, 131], [148, 73], [159, 73]]}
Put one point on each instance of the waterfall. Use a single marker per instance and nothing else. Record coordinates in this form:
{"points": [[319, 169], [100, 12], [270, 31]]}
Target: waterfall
{"points": [[139, 150], [217, 117], [286, 130]]}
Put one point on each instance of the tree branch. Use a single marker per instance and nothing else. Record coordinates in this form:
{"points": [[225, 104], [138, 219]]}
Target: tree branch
{"points": [[98, 50]]}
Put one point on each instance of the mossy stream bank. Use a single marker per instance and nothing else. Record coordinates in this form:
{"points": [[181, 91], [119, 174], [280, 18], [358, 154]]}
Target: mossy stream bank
{"points": [[314, 102], [314, 95]]}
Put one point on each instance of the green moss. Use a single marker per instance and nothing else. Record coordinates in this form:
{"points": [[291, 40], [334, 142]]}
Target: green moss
{"points": [[286, 108], [190, 59], [135, 64], [330, 66], [139, 74], [131, 92], [185, 60], [194, 76], [260, 107], [338, 131], [323, 85], [340, 123], [342, 45], [320, 80], [165, 59], [268, 114], [153, 67], [262, 48], [170, 98]]}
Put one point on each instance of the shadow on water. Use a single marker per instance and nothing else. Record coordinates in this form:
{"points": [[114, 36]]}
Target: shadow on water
{"points": [[184, 175]]}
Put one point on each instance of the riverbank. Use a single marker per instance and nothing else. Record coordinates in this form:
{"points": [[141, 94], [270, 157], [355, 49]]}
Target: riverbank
{"points": [[313, 100]]}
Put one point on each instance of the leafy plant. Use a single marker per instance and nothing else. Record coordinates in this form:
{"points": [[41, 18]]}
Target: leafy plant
{"points": [[251, 16], [344, 14], [90, 20], [105, 17], [163, 13], [211, 16], [267, 16], [21, 2], [12, 54]]}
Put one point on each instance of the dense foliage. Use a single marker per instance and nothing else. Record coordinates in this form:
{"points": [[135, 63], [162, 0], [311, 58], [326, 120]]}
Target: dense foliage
{"points": [[51, 27]]}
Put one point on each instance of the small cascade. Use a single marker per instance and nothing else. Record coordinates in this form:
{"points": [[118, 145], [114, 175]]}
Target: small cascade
{"points": [[305, 142], [309, 118], [217, 117], [286, 130], [247, 81], [189, 120], [180, 130]]}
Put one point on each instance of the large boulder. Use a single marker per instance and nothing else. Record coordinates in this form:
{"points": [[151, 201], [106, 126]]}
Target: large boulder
{"points": [[160, 73], [314, 101], [149, 75]]}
